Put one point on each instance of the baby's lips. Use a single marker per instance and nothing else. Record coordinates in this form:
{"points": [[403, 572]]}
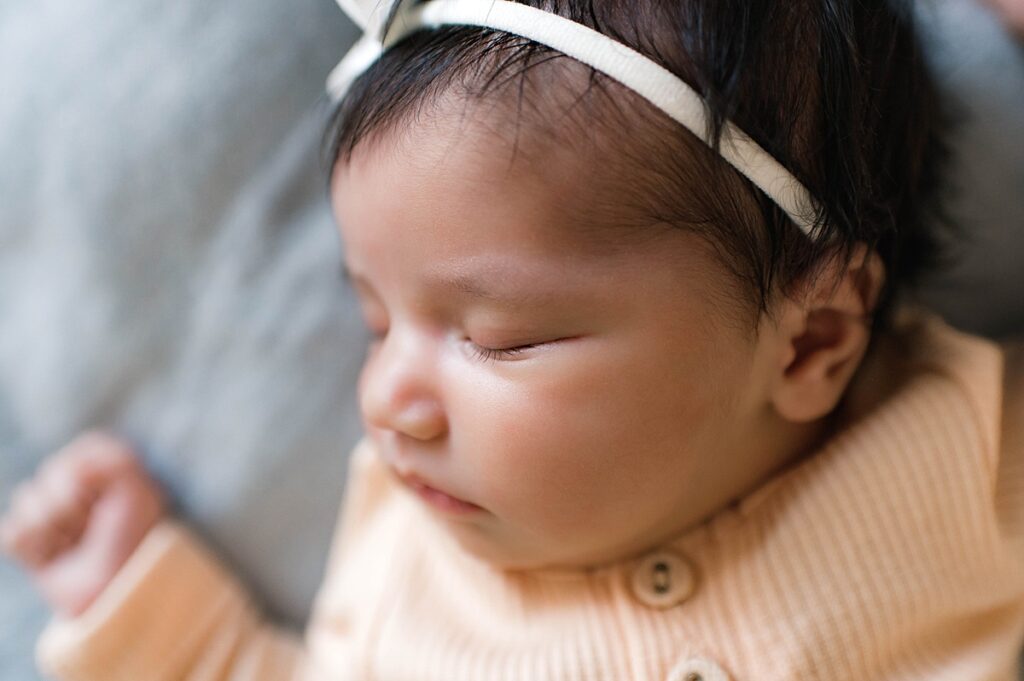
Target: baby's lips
{"points": [[435, 496]]}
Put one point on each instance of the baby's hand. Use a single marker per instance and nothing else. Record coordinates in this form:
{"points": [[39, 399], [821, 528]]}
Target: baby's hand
{"points": [[79, 519]]}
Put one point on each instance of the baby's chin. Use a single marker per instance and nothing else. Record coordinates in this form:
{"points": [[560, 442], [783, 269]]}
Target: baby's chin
{"points": [[487, 546], [503, 552]]}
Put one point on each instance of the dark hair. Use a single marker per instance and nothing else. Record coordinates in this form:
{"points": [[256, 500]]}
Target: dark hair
{"points": [[836, 90]]}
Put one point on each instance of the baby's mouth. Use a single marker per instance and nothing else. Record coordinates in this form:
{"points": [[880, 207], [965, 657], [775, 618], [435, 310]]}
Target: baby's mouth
{"points": [[434, 497]]}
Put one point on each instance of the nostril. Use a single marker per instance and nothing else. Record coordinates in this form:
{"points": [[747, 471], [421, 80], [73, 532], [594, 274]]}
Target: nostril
{"points": [[422, 420], [402, 408]]}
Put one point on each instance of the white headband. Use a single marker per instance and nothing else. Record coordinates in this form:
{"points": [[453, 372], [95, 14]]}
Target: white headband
{"points": [[647, 78]]}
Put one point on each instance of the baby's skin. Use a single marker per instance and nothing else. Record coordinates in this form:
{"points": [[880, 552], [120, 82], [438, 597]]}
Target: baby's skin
{"points": [[75, 523]]}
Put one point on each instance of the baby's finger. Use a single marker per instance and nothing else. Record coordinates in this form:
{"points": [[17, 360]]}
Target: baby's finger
{"points": [[67, 501], [26, 535], [8, 534], [93, 459], [105, 447]]}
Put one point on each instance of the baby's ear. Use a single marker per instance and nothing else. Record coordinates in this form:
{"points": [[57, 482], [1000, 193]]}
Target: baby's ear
{"points": [[824, 331]]}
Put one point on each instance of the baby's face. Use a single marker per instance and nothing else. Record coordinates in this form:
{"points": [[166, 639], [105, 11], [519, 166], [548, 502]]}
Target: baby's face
{"points": [[588, 389]]}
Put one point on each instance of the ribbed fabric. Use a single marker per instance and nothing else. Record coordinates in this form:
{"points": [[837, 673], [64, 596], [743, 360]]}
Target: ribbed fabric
{"points": [[896, 551]]}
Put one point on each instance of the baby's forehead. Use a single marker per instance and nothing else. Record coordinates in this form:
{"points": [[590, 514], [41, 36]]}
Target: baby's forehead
{"points": [[589, 192], [587, 187], [447, 179]]}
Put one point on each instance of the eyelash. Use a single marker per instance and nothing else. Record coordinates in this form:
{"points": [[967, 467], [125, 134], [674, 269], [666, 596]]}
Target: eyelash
{"points": [[498, 354], [482, 353]]}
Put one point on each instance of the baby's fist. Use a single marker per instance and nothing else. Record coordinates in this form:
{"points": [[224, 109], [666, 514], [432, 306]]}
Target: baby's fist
{"points": [[79, 519]]}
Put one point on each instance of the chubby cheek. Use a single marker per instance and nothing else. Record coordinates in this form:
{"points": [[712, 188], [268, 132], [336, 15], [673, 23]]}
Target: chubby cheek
{"points": [[603, 441]]}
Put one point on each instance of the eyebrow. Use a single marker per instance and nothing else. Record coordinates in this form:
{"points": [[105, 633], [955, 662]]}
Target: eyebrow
{"points": [[475, 287], [469, 285]]}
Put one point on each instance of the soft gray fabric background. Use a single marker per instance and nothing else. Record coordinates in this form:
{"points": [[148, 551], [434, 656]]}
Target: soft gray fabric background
{"points": [[169, 268], [982, 69], [168, 265]]}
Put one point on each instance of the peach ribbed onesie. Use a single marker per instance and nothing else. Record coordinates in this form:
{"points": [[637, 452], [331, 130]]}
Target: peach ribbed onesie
{"points": [[895, 551]]}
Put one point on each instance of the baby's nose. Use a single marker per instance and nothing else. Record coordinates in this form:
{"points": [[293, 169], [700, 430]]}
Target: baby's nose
{"points": [[398, 390], [419, 420]]}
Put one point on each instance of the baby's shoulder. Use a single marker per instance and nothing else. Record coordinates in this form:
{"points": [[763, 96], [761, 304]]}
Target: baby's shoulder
{"points": [[932, 359]]}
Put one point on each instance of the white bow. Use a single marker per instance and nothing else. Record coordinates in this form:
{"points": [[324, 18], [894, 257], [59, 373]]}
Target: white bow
{"points": [[369, 16]]}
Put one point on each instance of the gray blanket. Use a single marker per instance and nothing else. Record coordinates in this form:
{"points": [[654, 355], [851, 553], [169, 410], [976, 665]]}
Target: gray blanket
{"points": [[169, 268]]}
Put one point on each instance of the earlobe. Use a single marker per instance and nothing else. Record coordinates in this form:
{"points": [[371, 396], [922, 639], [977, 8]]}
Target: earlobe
{"points": [[825, 333]]}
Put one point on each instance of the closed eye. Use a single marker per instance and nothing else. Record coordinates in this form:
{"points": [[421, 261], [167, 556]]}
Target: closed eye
{"points": [[500, 354], [505, 353]]}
